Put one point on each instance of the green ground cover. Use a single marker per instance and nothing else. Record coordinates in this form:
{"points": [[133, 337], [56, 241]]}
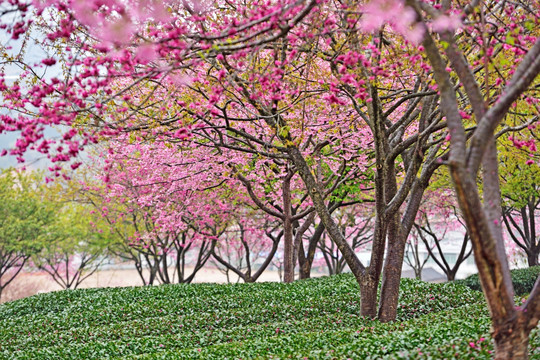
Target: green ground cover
{"points": [[313, 319]]}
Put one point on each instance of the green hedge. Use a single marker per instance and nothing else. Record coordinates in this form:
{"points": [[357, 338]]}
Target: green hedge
{"points": [[523, 280], [313, 319]]}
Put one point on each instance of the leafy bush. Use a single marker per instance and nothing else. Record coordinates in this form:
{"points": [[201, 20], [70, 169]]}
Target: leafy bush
{"points": [[313, 319], [523, 280]]}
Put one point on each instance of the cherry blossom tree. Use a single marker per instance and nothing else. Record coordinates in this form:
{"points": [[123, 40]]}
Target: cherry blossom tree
{"points": [[256, 121], [522, 226], [171, 198], [73, 248], [483, 213], [91, 46], [356, 225], [521, 199], [248, 245], [433, 240], [300, 82]]}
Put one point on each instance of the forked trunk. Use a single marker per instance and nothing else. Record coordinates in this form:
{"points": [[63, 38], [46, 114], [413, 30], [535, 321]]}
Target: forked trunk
{"points": [[398, 230], [305, 261], [305, 270]]}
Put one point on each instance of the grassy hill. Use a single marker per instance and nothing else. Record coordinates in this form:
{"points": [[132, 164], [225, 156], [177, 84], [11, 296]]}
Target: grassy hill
{"points": [[313, 319]]}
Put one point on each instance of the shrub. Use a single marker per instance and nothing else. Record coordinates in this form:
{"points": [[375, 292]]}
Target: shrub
{"points": [[523, 280]]}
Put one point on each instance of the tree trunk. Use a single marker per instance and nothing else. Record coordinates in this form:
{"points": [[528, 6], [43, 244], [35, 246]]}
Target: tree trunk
{"points": [[140, 271], [396, 250], [512, 344], [165, 270], [398, 230], [152, 269], [391, 280], [368, 295], [373, 273], [532, 259], [305, 261], [288, 265], [304, 267], [305, 270], [491, 193]]}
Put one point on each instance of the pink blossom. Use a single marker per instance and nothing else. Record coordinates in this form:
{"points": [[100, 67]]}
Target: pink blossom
{"points": [[394, 12], [450, 22], [49, 61], [146, 53]]}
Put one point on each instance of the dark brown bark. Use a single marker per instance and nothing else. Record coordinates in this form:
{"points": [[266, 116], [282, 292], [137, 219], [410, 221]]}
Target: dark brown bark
{"points": [[288, 265], [371, 281], [511, 340], [392, 271], [305, 261], [400, 226], [299, 231], [164, 270], [368, 296], [399, 229], [394, 257]]}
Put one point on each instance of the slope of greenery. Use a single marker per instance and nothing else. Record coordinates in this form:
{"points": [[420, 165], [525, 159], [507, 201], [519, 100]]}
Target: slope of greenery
{"points": [[313, 319]]}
